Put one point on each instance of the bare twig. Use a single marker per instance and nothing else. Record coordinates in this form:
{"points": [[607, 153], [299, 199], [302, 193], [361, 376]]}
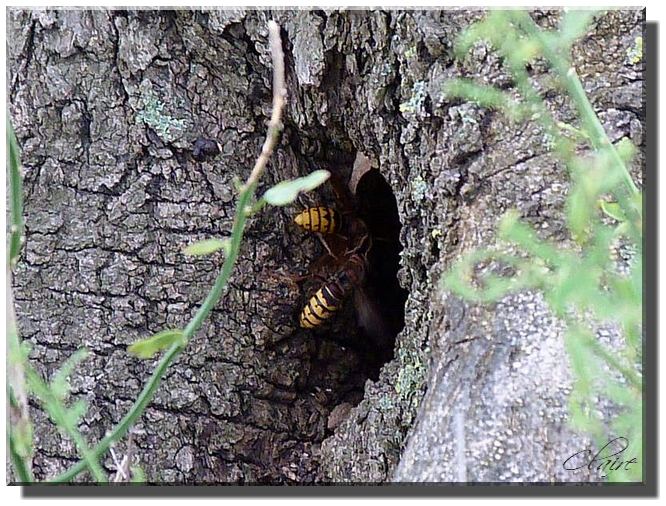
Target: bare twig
{"points": [[123, 466], [279, 100], [120, 475]]}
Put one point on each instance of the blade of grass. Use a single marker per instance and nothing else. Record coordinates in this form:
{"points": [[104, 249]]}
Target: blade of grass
{"points": [[15, 196]]}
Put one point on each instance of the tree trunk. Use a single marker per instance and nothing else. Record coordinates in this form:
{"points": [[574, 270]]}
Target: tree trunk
{"points": [[112, 110]]}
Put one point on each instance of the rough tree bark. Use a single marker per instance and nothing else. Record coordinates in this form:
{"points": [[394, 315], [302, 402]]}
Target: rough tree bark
{"points": [[108, 105]]}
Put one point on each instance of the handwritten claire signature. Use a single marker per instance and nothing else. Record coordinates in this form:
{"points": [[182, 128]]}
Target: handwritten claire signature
{"points": [[609, 458]]}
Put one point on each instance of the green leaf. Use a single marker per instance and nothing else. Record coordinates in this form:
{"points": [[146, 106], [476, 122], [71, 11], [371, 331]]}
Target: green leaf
{"points": [[612, 210], [483, 95], [625, 149], [467, 38], [59, 383], [138, 476], [146, 348], [527, 50], [207, 247], [36, 384], [464, 280], [237, 182], [578, 214], [577, 133], [574, 24], [286, 192], [511, 229], [76, 412]]}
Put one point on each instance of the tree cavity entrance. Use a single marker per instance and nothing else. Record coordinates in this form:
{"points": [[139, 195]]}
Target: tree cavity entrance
{"points": [[353, 344], [365, 328], [378, 208]]}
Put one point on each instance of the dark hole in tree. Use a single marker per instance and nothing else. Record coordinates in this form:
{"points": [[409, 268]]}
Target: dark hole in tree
{"points": [[360, 353], [377, 207], [339, 356]]}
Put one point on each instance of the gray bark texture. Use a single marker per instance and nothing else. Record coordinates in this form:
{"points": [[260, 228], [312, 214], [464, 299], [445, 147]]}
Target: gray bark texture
{"points": [[108, 106]]}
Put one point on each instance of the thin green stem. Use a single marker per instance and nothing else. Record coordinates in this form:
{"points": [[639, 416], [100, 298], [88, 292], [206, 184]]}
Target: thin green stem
{"points": [[20, 466], [214, 295], [599, 138], [613, 362], [202, 313], [15, 196], [540, 111], [19, 428], [569, 78], [58, 413], [91, 460], [129, 419], [19, 423]]}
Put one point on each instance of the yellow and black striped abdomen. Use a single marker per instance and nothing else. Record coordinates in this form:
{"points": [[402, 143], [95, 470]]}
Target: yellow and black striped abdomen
{"points": [[319, 219], [319, 308]]}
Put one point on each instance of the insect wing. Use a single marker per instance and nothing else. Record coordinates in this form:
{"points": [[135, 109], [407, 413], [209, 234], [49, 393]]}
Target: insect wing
{"points": [[370, 318]]}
